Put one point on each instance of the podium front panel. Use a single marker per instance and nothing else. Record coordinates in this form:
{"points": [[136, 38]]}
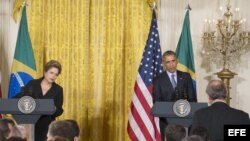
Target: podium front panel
{"points": [[165, 110], [43, 107], [26, 119]]}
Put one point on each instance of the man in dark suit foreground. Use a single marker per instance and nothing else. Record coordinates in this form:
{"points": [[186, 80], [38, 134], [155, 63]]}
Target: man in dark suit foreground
{"points": [[219, 113], [172, 85]]}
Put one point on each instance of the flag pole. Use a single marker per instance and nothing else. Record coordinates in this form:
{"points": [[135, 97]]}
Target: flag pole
{"points": [[188, 7], [153, 5]]}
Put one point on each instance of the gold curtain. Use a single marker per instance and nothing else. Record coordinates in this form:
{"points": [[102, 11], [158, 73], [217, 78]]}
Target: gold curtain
{"points": [[100, 44]]}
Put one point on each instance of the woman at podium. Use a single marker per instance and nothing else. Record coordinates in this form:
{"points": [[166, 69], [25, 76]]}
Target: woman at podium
{"points": [[46, 88]]}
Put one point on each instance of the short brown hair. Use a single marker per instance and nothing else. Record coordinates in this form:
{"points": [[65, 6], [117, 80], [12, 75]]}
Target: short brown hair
{"points": [[175, 132], [53, 64], [74, 126], [58, 138], [61, 128]]}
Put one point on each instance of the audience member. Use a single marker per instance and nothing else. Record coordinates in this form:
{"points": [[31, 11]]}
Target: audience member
{"points": [[61, 128], [16, 139], [175, 132], [76, 128], [2, 138], [23, 131], [4, 128], [200, 131], [193, 138], [15, 132], [11, 123], [58, 138], [219, 113]]}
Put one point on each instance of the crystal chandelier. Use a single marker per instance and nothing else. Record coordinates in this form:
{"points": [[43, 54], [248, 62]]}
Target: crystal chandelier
{"points": [[224, 42]]}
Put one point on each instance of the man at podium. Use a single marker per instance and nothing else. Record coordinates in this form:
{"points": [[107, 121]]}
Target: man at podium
{"points": [[172, 85]]}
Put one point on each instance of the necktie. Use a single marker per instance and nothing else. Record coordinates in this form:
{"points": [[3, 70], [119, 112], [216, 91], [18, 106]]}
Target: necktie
{"points": [[173, 80]]}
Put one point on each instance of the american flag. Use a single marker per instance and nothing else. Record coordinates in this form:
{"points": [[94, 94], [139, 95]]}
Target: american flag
{"points": [[142, 126]]}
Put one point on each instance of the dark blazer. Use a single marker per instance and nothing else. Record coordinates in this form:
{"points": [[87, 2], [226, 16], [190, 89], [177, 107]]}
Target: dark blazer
{"points": [[164, 91], [33, 89], [216, 116]]}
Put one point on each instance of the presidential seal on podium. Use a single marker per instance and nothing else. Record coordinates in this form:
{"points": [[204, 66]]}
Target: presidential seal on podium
{"points": [[181, 108], [26, 104]]}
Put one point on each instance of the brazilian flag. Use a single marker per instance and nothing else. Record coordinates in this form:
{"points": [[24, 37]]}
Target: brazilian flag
{"points": [[184, 50], [23, 65]]}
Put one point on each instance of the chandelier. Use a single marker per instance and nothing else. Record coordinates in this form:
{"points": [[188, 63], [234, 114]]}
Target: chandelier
{"points": [[225, 41]]}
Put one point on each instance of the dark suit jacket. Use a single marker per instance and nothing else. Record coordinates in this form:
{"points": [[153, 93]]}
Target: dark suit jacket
{"points": [[164, 91], [216, 116], [33, 89]]}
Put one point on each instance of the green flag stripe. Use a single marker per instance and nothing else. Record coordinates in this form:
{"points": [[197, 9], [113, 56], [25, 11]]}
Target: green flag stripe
{"points": [[24, 52], [184, 68], [184, 49]]}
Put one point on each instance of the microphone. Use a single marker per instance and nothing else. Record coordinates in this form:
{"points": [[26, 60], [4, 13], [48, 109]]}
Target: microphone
{"points": [[180, 94], [30, 92], [22, 91], [177, 93], [185, 95]]}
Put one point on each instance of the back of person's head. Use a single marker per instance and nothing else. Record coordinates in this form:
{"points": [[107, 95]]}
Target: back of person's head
{"points": [[75, 126], [15, 132], [193, 138], [175, 132], [200, 131], [16, 139], [10, 121], [20, 131], [4, 128], [61, 128], [58, 138], [11, 124], [2, 137], [216, 89]]}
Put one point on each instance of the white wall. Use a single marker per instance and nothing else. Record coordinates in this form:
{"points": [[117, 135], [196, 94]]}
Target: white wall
{"points": [[8, 35], [171, 16]]}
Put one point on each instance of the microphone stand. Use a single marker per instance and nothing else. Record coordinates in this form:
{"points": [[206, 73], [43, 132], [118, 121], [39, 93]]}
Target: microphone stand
{"points": [[177, 94]]}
